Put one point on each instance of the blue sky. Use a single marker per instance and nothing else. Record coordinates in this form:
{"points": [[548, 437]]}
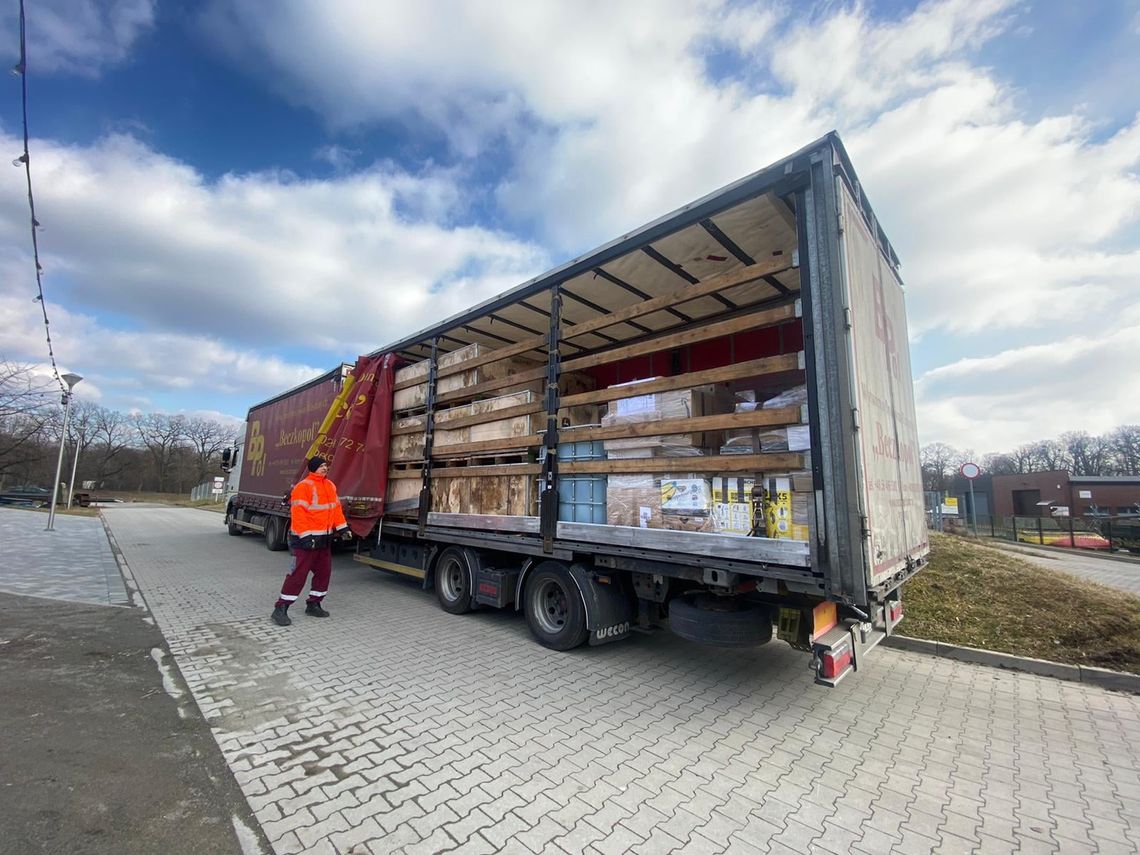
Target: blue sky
{"points": [[238, 194]]}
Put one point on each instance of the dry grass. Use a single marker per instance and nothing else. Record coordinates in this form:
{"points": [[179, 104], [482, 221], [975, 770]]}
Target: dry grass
{"points": [[984, 597]]}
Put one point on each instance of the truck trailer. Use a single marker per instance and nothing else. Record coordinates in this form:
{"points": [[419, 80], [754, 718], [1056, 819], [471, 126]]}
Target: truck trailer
{"points": [[707, 425]]}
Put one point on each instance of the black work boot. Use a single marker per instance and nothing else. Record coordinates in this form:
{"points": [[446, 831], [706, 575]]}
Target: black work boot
{"points": [[315, 610], [281, 616]]}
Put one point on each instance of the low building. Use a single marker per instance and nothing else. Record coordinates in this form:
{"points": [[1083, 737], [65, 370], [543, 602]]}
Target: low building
{"points": [[1057, 494]]}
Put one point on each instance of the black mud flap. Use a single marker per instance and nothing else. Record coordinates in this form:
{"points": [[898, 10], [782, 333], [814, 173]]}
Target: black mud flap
{"points": [[609, 611]]}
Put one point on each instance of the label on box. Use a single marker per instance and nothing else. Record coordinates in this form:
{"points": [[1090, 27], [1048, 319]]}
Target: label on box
{"points": [[635, 406], [778, 507], [685, 496], [644, 515], [799, 438], [732, 505]]}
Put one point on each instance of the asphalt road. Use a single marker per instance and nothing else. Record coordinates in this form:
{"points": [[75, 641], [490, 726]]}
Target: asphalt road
{"points": [[392, 726], [1122, 573]]}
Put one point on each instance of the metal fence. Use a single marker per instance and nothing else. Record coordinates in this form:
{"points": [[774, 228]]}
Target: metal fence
{"points": [[204, 492], [1093, 533]]}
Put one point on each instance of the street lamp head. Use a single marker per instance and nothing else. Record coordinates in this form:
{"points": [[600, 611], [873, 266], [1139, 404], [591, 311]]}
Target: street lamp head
{"points": [[70, 380]]}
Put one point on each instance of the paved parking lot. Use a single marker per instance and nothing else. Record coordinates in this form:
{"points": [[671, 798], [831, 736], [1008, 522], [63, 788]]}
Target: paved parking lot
{"points": [[394, 726]]}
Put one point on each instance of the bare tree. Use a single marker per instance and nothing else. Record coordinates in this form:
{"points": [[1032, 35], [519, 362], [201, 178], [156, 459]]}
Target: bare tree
{"points": [[939, 461], [208, 437], [25, 402], [112, 436], [1047, 455], [161, 435], [1023, 459], [1001, 464], [1089, 455], [1125, 444]]}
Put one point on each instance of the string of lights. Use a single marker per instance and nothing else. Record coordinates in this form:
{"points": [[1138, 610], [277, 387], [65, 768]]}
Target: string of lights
{"points": [[20, 69]]}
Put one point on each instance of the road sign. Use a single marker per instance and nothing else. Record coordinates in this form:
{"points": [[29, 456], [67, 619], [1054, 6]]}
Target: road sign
{"points": [[970, 471]]}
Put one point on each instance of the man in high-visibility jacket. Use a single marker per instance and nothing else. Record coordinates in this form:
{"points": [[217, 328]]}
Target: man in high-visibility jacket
{"points": [[316, 518]]}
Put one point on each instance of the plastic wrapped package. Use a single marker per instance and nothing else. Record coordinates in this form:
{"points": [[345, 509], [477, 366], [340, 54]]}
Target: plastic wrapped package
{"points": [[743, 441], [794, 397]]}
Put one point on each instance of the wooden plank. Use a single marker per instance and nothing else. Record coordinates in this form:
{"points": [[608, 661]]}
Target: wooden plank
{"points": [[492, 416], [537, 342], [520, 379], [729, 279], [664, 427], [481, 471], [751, 321], [779, 462], [694, 424], [752, 368]]}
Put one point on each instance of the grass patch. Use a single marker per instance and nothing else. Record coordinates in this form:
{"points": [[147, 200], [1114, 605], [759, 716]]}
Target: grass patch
{"points": [[979, 596]]}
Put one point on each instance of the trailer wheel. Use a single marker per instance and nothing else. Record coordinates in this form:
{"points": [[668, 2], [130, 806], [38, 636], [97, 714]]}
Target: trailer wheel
{"points": [[554, 609], [274, 535], [720, 621], [453, 580]]}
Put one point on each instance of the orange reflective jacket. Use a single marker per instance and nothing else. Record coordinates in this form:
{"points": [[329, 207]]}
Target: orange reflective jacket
{"points": [[315, 507]]}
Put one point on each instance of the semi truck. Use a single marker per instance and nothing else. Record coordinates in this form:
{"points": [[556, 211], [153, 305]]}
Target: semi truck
{"points": [[705, 425]]}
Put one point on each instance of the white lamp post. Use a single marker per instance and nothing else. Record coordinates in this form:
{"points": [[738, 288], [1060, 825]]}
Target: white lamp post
{"points": [[71, 483], [70, 380]]}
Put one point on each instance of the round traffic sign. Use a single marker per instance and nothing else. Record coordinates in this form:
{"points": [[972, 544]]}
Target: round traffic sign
{"points": [[970, 471]]}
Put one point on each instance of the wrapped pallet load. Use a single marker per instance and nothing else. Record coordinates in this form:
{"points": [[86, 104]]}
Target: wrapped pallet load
{"points": [[415, 397], [680, 500]]}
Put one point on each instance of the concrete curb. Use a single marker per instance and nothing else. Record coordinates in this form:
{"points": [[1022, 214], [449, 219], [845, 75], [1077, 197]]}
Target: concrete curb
{"points": [[1104, 678]]}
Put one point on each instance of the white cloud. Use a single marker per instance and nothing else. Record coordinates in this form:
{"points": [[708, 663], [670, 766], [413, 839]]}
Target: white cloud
{"points": [[602, 116], [79, 36], [262, 260], [338, 157], [135, 370], [1036, 392]]}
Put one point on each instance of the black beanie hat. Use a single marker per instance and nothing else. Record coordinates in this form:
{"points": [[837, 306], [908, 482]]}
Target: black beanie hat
{"points": [[316, 463]]}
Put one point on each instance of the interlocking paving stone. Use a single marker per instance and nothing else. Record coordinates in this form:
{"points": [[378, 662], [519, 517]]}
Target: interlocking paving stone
{"points": [[73, 562], [421, 729]]}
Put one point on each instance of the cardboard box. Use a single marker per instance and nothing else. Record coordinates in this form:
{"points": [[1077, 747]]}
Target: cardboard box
{"points": [[660, 406], [678, 503], [733, 507], [786, 512]]}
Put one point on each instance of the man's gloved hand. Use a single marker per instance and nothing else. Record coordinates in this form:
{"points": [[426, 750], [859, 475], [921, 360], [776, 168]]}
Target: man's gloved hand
{"points": [[345, 534]]}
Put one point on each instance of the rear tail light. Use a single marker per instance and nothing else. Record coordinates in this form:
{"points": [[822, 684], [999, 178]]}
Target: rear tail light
{"points": [[895, 611], [834, 662]]}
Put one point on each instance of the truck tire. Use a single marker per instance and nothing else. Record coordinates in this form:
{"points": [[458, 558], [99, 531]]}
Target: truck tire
{"points": [[234, 529], [274, 534], [720, 621], [554, 609], [454, 577]]}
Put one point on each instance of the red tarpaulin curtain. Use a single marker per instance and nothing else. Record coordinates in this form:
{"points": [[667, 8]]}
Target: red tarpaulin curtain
{"points": [[356, 445]]}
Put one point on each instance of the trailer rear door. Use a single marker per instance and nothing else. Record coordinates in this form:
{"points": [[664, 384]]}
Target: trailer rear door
{"points": [[887, 440]]}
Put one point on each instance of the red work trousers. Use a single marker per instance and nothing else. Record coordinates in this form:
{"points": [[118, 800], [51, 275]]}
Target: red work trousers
{"points": [[306, 561]]}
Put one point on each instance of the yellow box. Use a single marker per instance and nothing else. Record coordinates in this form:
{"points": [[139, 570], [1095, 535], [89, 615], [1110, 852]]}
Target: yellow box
{"points": [[732, 504]]}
